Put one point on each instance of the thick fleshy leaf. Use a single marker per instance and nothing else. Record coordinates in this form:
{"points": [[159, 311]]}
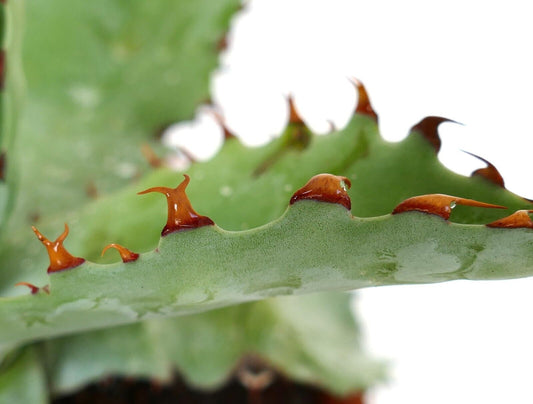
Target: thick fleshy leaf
{"points": [[104, 77], [94, 95], [22, 378], [313, 247], [250, 198], [11, 87], [313, 339]]}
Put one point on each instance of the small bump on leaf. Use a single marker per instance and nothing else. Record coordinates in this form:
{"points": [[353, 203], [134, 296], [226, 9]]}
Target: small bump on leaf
{"points": [[438, 204], [519, 219], [428, 127], [489, 173], [181, 215], [325, 188], [125, 254], [151, 157], [60, 258], [364, 107]]}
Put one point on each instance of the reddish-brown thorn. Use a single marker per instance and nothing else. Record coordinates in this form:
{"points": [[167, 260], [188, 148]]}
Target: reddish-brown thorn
{"points": [[519, 219], [2, 166], [151, 157], [33, 289], [294, 116], [2, 68], [187, 154], [91, 190], [220, 120], [489, 173], [125, 254], [438, 204], [325, 188], [364, 107], [60, 258], [181, 215], [332, 127], [428, 127], [222, 43]]}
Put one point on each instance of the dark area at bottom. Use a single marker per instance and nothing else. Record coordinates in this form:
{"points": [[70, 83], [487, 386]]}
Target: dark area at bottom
{"points": [[117, 390]]}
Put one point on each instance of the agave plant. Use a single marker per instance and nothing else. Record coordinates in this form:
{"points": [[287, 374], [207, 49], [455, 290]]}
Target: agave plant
{"points": [[202, 283]]}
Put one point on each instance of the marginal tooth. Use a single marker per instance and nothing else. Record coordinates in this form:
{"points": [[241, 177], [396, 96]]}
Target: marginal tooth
{"points": [[364, 107], [151, 157], [519, 219], [60, 258], [428, 127], [294, 116], [33, 289], [438, 204], [490, 172], [325, 188], [125, 254], [181, 215]]}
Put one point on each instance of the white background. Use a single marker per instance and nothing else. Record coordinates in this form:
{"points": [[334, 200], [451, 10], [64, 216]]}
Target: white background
{"points": [[470, 61]]}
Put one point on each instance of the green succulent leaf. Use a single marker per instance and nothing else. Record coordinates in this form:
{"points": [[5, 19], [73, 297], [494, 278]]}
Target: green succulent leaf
{"points": [[112, 83], [305, 337], [22, 378], [11, 85], [314, 246], [121, 73]]}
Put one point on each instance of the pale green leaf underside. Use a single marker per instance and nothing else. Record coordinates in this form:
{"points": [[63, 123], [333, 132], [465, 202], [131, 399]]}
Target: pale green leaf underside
{"points": [[286, 332]]}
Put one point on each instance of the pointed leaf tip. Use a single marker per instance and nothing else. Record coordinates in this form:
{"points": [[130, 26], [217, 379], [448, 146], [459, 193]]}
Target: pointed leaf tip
{"points": [[325, 188], [490, 172], [126, 254], [519, 219], [364, 107], [428, 127], [60, 258], [181, 215], [438, 204]]}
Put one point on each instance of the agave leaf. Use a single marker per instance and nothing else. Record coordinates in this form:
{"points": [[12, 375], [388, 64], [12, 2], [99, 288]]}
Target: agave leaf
{"points": [[117, 219], [314, 246], [311, 338], [102, 78], [11, 86], [22, 378]]}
